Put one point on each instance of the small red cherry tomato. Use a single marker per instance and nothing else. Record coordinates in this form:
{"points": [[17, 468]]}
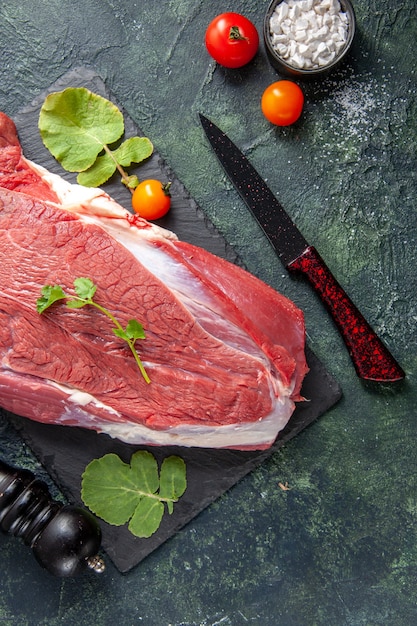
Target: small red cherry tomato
{"points": [[151, 199], [232, 40], [282, 102]]}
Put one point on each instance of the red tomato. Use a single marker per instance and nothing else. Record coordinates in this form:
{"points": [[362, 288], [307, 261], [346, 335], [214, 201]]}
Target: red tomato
{"points": [[232, 40], [151, 199], [282, 102]]}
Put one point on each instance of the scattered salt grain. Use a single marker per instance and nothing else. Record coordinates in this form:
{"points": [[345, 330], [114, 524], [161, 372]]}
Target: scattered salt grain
{"points": [[308, 34]]}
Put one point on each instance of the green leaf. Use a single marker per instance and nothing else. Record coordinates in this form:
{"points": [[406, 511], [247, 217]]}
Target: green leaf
{"points": [[100, 172], [121, 493], [50, 294], [85, 288], [145, 469], [146, 518], [133, 150], [76, 304], [76, 124], [173, 481], [134, 330], [79, 127], [108, 490], [119, 332]]}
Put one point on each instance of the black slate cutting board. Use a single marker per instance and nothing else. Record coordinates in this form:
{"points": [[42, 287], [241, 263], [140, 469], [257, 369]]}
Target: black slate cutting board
{"points": [[65, 451]]}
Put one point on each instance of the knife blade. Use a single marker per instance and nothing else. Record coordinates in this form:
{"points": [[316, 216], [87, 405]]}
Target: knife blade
{"points": [[371, 358]]}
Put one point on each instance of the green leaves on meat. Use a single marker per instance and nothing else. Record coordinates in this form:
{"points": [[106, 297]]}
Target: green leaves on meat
{"points": [[81, 130], [85, 290], [134, 493]]}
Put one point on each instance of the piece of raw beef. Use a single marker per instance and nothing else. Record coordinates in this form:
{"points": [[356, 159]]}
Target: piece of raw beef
{"points": [[224, 352]]}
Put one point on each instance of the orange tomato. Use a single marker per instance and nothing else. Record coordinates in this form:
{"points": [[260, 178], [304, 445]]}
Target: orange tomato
{"points": [[151, 199], [282, 102]]}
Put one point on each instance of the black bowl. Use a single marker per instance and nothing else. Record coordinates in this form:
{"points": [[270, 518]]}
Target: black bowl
{"points": [[284, 67]]}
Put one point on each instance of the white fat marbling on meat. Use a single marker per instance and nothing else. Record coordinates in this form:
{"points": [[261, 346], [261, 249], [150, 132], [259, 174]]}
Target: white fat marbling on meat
{"points": [[263, 432]]}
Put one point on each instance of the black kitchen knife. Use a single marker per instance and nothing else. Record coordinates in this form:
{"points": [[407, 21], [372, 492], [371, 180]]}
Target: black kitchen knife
{"points": [[371, 358]]}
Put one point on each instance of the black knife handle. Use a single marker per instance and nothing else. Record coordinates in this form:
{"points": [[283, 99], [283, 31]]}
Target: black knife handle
{"points": [[371, 358]]}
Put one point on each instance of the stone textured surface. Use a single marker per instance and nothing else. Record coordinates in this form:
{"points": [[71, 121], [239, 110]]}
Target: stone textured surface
{"points": [[339, 547]]}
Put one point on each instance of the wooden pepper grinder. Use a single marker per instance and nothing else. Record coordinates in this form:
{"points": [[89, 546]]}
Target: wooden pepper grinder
{"points": [[65, 539]]}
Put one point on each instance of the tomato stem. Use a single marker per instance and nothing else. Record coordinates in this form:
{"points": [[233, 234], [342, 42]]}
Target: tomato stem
{"points": [[166, 189], [235, 34]]}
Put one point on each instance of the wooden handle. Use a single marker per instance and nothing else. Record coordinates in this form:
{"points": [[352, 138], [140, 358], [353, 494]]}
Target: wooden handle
{"points": [[371, 358]]}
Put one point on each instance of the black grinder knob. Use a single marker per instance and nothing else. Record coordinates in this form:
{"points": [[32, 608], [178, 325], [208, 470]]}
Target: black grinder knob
{"points": [[65, 539]]}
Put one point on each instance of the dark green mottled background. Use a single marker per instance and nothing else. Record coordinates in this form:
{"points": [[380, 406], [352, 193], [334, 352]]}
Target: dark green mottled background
{"points": [[339, 548]]}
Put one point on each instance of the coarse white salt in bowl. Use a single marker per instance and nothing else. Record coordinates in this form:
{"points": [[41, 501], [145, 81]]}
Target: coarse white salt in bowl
{"points": [[308, 38]]}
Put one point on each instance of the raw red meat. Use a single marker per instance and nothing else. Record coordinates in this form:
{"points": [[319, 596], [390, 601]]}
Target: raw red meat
{"points": [[224, 352]]}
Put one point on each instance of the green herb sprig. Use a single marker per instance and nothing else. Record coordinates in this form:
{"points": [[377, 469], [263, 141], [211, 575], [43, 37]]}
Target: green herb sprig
{"points": [[85, 290], [137, 493], [80, 128]]}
